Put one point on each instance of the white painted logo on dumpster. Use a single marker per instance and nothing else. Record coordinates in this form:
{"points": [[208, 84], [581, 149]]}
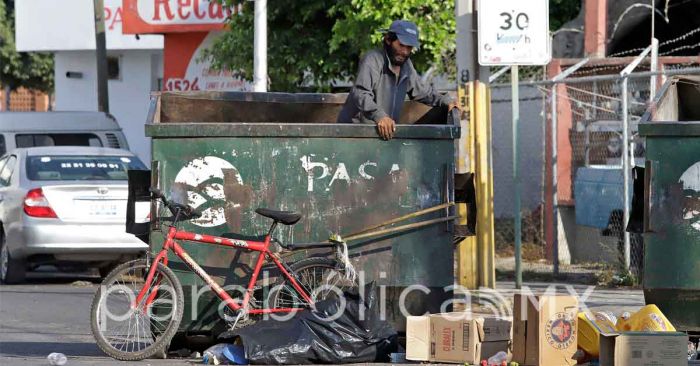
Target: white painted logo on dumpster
{"points": [[318, 171], [691, 193], [204, 180]]}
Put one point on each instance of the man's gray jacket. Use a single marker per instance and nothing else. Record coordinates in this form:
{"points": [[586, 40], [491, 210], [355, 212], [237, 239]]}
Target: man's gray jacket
{"points": [[377, 94]]}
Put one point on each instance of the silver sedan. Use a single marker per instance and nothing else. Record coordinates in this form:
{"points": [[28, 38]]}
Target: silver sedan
{"points": [[65, 206]]}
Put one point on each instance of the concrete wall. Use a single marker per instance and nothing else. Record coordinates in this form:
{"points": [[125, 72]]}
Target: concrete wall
{"points": [[532, 121], [128, 96]]}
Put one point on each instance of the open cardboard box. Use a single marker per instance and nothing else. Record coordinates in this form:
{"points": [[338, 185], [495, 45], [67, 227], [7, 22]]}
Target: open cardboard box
{"points": [[644, 349], [456, 337], [545, 330]]}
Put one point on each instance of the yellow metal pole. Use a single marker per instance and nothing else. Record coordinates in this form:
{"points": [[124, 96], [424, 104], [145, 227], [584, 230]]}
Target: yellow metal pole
{"points": [[483, 181], [467, 253]]}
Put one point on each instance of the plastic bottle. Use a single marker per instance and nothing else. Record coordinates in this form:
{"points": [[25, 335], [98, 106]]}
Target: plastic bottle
{"points": [[210, 358], [622, 322], [58, 359], [498, 359]]}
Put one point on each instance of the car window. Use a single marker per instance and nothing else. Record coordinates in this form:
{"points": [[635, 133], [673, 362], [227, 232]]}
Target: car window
{"points": [[3, 147], [6, 171], [57, 139], [53, 167]]}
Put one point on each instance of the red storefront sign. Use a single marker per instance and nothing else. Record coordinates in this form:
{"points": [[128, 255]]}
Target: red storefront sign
{"points": [[173, 16], [189, 26], [113, 16], [185, 71]]}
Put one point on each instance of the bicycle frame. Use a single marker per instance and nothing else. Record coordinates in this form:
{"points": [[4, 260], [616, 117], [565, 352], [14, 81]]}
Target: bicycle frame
{"points": [[261, 247]]}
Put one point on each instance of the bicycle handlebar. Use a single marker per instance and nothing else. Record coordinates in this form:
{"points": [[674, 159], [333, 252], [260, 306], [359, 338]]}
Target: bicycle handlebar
{"points": [[177, 209]]}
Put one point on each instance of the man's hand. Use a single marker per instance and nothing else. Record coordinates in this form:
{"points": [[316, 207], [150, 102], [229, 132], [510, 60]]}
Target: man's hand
{"points": [[386, 128]]}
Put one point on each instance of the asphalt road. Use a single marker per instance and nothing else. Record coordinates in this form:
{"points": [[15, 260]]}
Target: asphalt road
{"points": [[51, 313]]}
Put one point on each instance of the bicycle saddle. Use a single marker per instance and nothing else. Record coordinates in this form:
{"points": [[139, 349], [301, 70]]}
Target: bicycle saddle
{"points": [[285, 217]]}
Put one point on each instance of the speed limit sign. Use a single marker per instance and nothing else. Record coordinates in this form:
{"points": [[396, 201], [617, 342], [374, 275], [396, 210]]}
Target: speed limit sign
{"points": [[514, 32]]}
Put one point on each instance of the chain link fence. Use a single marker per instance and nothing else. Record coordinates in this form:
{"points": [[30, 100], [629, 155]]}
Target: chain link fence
{"points": [[581, 239]]}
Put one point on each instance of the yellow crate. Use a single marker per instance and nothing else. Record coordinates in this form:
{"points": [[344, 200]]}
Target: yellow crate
{"points": [[647, 319], [590, 326]]}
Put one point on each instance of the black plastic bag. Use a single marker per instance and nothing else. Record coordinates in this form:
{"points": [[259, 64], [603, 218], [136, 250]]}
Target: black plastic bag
{"points": [[356, 335]]}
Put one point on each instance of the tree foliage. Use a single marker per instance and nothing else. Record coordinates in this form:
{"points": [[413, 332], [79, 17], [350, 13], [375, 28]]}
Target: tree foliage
{"points": [[31, 70], [313, 43], [435, 19], [561, 11]]}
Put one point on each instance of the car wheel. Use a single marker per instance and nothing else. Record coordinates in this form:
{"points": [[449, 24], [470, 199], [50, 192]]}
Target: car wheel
{"points": [[11, 270]]}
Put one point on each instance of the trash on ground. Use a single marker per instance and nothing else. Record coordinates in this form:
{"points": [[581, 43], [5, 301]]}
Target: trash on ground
{"points": [[545, 333], [81, 283], [224, 354], [590, 327], [57, 359], [647, 319], [398, 357], [499, 358], [692, 351], [324, 335], [462, 336], [183, 352], [648, 348]]}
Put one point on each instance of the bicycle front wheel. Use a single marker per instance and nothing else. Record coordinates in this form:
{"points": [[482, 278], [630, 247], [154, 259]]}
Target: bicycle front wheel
{"points": [[129, 331]]}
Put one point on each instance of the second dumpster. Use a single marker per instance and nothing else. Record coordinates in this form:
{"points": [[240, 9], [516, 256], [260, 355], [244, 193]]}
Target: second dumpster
{"points": [[672, 202]]}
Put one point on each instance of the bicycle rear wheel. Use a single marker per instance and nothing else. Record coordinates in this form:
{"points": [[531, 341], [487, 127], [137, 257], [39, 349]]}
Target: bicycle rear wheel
{"points": [[321, 278], [127, 332]]}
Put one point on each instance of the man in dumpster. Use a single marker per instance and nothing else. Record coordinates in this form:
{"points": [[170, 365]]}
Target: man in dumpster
{"points": [[384, 78]]}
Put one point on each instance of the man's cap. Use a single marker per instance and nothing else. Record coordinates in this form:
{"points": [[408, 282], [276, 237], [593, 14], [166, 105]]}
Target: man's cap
{"points": [[406, 31]]}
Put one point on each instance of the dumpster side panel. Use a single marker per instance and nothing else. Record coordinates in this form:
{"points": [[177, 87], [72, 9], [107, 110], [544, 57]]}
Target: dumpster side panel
{"points": [[340, 185], [672, 254]]}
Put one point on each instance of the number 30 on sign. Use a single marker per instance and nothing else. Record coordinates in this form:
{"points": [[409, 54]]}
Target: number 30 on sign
{"points": [[514, 32]]}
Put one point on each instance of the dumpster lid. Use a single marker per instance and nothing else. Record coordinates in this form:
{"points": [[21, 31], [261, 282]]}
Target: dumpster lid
{"points": [[327, 130], [675, 110], [249, 107], [244, 114], [681, 129]]}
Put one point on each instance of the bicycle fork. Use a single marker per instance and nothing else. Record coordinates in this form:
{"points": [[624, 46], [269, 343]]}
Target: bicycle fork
{"points": [[161, 257]]}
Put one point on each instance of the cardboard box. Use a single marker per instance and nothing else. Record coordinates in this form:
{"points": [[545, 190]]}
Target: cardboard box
{"points": [[460, 337], [644, 349], [544, 330], [418, 338]]}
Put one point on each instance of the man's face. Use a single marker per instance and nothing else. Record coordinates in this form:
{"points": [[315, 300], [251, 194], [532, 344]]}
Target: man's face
{"points": [[398, 53]]}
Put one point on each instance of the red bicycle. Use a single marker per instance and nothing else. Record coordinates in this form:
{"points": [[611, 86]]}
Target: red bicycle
{"points": [[139, 305]]}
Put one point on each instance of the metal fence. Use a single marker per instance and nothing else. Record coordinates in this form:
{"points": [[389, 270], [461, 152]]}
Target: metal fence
{"points": [[576, 181]]}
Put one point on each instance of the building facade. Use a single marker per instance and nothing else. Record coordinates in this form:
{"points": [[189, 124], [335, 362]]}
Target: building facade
{"points": [[66, 29]]}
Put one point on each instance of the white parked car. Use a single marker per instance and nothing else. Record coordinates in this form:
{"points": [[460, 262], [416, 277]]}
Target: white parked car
{"points": [[65, 205]]}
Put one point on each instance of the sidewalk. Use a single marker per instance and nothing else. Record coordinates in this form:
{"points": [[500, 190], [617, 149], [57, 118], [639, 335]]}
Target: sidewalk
{"points": [[500, 300]]}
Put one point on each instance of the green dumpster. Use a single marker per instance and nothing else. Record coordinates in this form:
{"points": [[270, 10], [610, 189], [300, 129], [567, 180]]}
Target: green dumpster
{"points": [[230, 153], [672, 204]]}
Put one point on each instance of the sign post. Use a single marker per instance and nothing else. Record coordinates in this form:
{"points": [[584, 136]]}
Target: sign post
{"points": [[514, 32]]}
